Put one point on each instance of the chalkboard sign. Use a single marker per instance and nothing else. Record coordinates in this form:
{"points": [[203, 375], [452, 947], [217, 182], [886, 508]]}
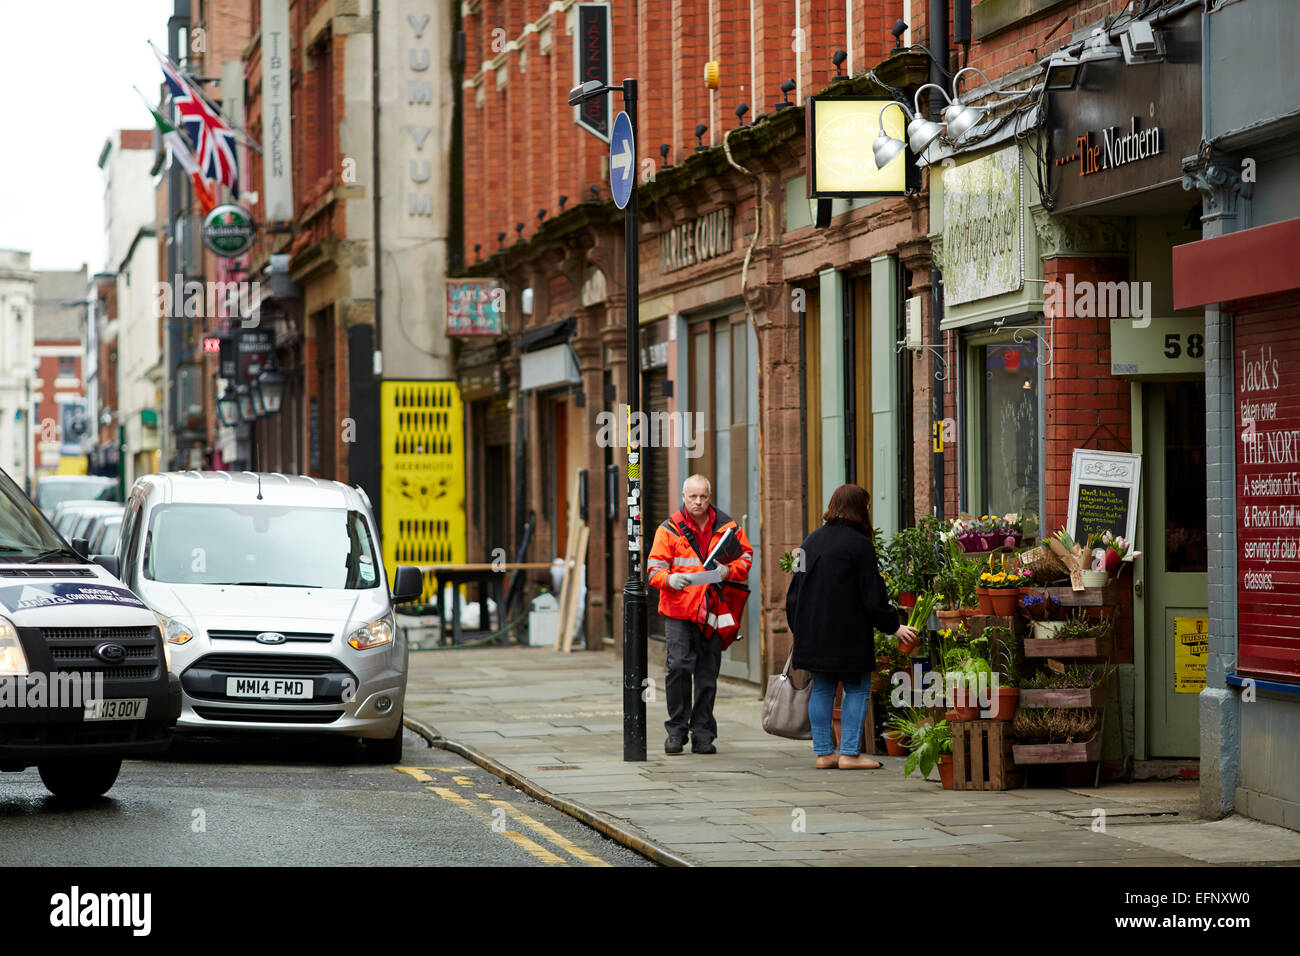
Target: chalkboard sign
{"points": [[1103, 493], [1100, 508]]}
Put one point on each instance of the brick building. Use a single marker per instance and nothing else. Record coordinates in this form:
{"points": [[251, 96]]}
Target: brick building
{"points": [[64, 430], [746, 305]]}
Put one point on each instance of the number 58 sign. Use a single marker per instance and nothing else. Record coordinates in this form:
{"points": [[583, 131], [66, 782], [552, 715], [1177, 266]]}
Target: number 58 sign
{"points": [[1173, 344]]}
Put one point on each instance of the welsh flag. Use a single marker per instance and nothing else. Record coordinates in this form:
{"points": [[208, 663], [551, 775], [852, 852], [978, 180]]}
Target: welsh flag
{"points": [[182, 153]]}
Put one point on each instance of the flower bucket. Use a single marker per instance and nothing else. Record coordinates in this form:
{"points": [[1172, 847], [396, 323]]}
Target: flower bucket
{"points": [[1046, 629], [1004, 600], [907, 599], [1094, 579]]}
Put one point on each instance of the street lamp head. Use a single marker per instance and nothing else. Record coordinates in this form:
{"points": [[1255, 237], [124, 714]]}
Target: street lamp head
{"points": [[587, 91]]}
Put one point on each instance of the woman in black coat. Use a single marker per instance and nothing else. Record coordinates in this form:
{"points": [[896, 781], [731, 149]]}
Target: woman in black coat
{"points": [[834, 606]]}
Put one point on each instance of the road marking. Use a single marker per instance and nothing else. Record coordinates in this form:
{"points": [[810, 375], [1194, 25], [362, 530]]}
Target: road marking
{"points": [[564, 843], [540, 852], [417, 772], [463, 780]]}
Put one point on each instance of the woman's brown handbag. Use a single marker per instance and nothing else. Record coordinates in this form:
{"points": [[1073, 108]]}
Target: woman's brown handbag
{"points": [[785, 706]]}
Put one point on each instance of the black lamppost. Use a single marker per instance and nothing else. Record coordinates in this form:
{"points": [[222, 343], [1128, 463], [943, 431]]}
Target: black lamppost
{"points": [[635, 651]]}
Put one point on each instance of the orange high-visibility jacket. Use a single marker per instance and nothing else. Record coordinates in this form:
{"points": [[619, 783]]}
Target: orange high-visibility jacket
{"points": [[672, 554]]}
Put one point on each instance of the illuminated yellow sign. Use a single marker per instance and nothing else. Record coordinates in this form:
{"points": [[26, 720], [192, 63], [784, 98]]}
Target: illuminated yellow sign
{"points": [[840, 160], [422, 433]]}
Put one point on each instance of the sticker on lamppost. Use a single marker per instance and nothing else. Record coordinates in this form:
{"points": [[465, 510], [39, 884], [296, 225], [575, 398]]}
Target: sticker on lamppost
{"points": [[229, 230], [622, 160]]}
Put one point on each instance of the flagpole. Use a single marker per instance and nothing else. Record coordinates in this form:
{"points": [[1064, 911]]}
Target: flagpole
{"points": [[198, 89]]}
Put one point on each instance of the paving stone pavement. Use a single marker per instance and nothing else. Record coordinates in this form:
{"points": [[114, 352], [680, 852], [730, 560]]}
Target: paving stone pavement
{"points": [[557, 720]]}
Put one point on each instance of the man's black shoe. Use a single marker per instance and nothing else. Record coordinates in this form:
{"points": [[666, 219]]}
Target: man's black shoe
{"points": [[674, 745], [705, 747]]}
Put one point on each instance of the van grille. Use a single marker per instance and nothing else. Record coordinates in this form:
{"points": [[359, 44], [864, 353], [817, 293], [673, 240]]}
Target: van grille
{"points": [[271, 715], [289, 635], [72, 650], [296, 665]]}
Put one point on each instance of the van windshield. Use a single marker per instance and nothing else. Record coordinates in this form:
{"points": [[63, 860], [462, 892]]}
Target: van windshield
{"points": [[24, 532], [262, 545], [52, 490]]}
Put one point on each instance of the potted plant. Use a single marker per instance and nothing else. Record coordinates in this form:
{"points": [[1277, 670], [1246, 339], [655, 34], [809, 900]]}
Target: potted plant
{"points": [[930, 744], [900, 728], [1003, 705], [1056, 735], [964, 662], [1002, 590]]}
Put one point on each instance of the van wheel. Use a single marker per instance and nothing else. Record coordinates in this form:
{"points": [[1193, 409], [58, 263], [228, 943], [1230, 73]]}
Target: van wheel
{"points": [[79, 780], [387, 750]]}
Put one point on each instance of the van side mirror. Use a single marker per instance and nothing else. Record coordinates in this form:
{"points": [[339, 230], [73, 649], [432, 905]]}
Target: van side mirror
{"points": [[108, 562], [82, 547], [409, 584]]}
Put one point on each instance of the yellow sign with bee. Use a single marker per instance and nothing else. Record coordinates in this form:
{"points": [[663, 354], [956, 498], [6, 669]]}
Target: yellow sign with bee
{"points": [[422, 434], [1191, 649]]}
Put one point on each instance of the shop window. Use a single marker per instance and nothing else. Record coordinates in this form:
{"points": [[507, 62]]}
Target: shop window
{"points": [[1009, 419]]}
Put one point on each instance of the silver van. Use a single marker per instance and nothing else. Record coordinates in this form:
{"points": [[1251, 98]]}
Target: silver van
{"points": [[274, 602]]}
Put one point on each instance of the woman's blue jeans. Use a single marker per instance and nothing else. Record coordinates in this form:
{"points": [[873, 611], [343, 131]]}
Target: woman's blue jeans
{"points": [[853, 712]]}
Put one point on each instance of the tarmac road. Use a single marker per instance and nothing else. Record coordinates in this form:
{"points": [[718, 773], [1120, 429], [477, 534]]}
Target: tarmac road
{"points": [[296, 802]]}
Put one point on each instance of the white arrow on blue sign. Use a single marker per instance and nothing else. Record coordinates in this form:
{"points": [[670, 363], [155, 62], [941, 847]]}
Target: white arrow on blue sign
{"points": [[622, 160]]}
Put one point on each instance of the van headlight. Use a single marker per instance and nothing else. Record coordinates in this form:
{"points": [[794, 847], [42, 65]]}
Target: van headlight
{"points": [[174, 631], [375, 633], [13, 659]]}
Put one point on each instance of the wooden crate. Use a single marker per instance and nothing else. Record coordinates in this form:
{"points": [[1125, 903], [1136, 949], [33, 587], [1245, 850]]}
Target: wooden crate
{"points": [[982, 757], [1052, 647], [1107, 596], [1064, 697], [1055, 753]]}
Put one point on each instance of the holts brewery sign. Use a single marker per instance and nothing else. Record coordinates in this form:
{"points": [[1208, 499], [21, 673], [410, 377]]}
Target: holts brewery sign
{"points": [[704, 238]]}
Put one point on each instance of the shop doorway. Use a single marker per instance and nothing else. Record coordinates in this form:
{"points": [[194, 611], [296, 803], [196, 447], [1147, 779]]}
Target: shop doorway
{"points": [[1174, 584]]}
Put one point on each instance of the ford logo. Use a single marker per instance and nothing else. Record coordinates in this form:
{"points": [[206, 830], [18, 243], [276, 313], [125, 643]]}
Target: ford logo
{"points": [[111, 653], [271, 637]]}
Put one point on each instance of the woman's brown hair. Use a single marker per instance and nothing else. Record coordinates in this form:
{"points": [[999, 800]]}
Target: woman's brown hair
{"points": [[850, 503]]}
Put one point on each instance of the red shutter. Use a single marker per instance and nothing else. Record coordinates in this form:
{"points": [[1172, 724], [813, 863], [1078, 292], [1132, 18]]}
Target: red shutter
{"points": [[1267, 392]]}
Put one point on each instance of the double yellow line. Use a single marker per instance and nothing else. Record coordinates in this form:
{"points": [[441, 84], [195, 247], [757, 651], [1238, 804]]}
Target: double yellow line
{"points": [[496, 818]]}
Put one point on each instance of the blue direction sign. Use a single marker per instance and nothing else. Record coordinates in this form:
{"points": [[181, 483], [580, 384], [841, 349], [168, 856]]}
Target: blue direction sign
{"points": [[622, 160]]}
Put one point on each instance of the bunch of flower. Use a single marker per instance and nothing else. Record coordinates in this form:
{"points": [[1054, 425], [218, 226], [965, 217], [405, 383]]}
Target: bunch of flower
{"points": [[1016, 578], [1039, 608], [1118, 551]]}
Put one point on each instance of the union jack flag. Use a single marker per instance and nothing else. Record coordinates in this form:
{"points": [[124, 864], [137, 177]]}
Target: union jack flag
{"points": [[213, 140]]}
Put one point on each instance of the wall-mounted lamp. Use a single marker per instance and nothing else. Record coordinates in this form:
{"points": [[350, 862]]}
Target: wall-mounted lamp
{"points": [[664, 149], [838, 60], [741, 110], [700, 130], [786, 89], [897, 31]]}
